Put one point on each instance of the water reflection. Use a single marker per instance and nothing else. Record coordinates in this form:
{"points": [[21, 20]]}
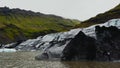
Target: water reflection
{"points": [[91, 64]]}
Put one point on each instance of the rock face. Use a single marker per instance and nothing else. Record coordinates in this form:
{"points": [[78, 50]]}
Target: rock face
{"points": [[81, 47], [106, 47], [108, 43]]}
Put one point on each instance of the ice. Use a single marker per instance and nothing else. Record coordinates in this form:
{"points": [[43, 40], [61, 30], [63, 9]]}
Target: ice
{"points": [[7, 50], [48, 38]]}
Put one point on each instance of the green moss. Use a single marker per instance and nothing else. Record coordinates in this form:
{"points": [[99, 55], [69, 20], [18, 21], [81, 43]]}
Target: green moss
{"points": [[16, 22]]}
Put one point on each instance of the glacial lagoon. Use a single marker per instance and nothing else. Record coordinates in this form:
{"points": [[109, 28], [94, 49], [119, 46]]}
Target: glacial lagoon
{"points": [[26, 60]]}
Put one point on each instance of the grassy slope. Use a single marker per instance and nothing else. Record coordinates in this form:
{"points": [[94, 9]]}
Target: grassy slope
{"points": [[16, 24], [103, 17]]}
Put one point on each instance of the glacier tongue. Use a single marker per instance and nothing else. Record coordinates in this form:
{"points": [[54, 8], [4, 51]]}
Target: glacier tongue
{"points": [[47, 41], [57, 41]]}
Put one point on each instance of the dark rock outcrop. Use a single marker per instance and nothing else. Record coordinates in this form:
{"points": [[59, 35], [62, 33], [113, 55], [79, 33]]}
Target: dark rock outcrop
{"points": [[106, 47], [81, 47], [108, 43]]}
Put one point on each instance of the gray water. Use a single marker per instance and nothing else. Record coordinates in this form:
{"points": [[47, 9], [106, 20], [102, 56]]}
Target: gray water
{"points": [[26, 60]]}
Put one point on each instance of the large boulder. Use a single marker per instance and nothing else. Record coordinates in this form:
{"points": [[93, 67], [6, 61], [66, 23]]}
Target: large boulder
{"points": [[82, 47]]}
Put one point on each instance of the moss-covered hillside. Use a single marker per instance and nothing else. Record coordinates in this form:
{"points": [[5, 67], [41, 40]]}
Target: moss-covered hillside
{"points": [[103, 17], [18, 25]]}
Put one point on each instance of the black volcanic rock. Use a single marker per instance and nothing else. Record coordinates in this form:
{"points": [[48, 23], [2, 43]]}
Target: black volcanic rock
{"points": [[81, 47], [108, 43], [106, 47]]}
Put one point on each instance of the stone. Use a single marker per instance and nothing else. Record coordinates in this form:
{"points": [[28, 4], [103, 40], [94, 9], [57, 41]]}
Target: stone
{"points": [[82, 47]]}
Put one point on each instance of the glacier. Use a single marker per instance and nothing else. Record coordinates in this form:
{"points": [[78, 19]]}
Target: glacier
{"points": [[54, 43], [57, 39]]}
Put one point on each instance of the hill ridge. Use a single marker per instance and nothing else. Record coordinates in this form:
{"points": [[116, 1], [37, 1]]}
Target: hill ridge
{"points": [[31, 24], [113, 13]]}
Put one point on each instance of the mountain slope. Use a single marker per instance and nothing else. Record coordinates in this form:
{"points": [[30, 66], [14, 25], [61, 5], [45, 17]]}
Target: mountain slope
{"points": [[103, 17], [17, 24]]}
